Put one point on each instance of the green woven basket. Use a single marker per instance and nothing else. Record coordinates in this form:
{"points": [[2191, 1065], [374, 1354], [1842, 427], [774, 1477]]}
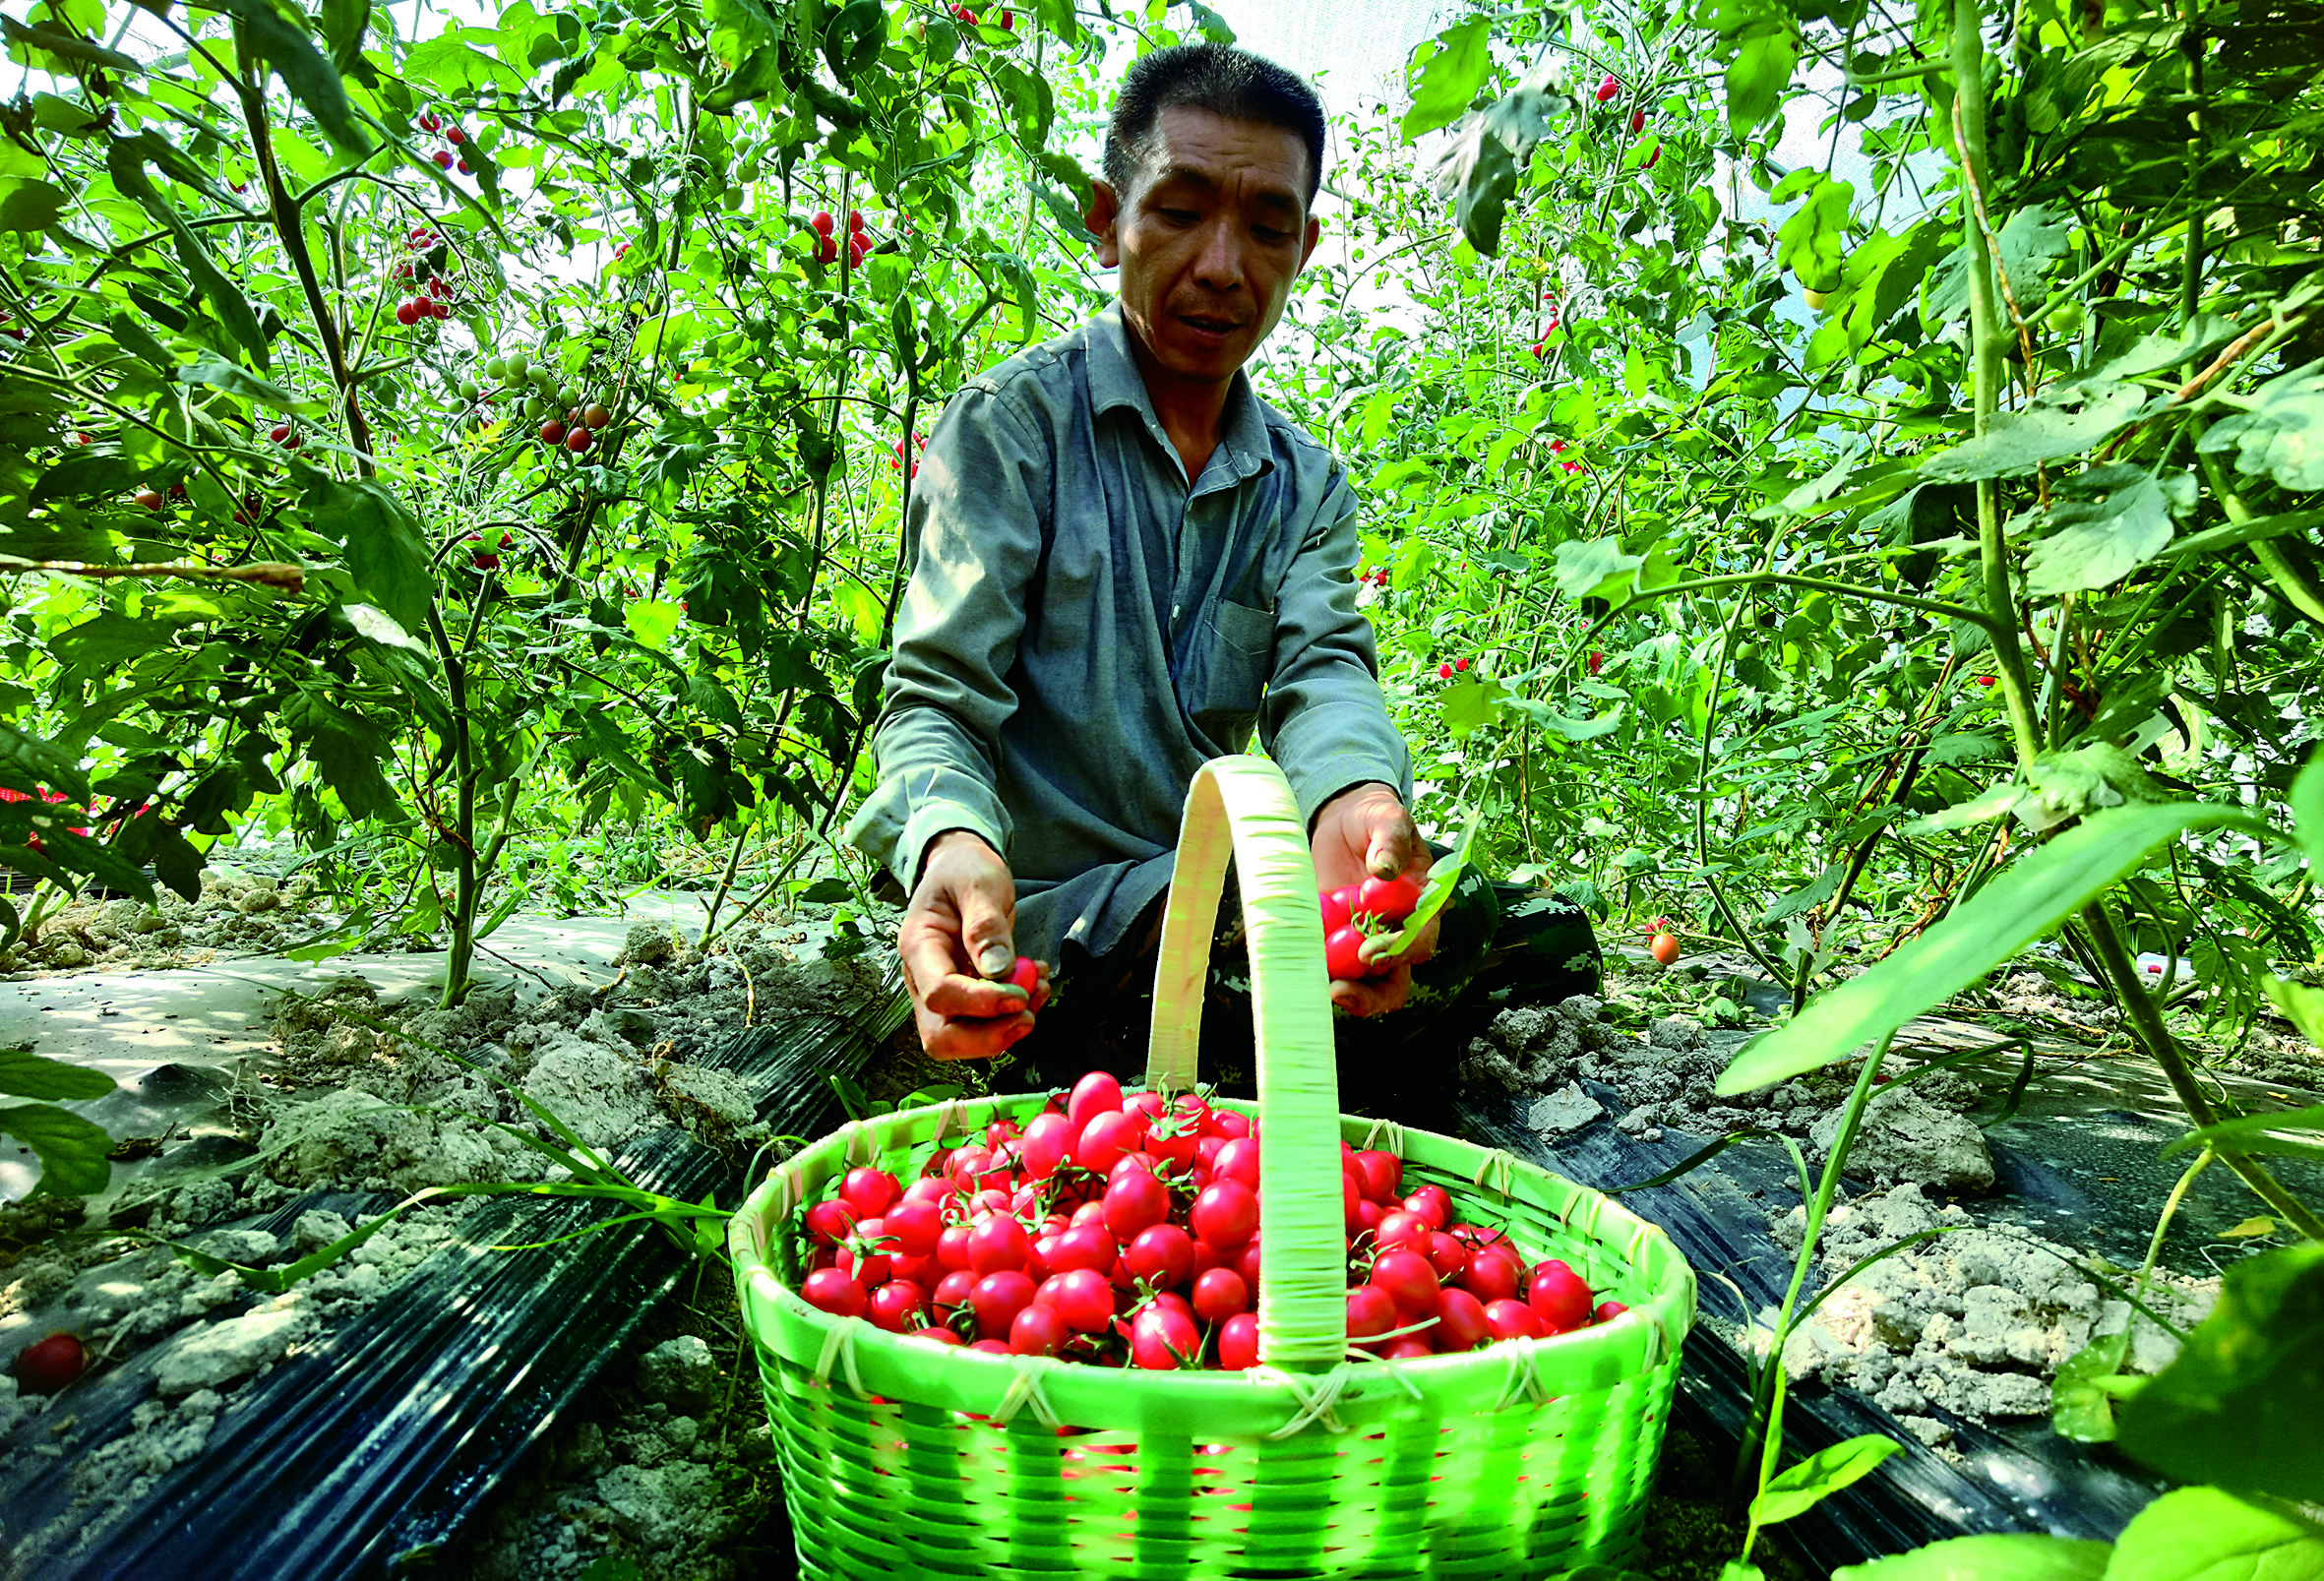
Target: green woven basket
{"points": [[1527, 1458]]}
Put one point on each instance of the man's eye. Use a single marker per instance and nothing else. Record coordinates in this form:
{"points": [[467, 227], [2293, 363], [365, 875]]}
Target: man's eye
{"points": [[1273, 238], [1180, 216]]}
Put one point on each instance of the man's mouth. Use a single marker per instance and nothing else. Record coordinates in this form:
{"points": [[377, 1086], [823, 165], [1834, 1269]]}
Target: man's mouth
{"points": [[1218, 329]]}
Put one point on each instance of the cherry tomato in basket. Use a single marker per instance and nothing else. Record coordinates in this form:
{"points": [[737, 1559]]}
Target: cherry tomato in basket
{"points": [[1237, 1342], [1225, 1214], [1560, 1296], [828, 1290], [1409, 1280]]}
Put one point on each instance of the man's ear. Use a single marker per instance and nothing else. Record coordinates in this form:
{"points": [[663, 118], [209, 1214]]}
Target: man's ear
{"points": [[1308, 249], [1102, 216]]}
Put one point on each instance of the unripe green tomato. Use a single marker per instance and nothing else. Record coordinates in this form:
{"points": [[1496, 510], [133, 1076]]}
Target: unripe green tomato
{"points": [[569, 397], [544, 380], [495, 369], [469, 390], [2066, 319], [533, 407], [519, 367]]}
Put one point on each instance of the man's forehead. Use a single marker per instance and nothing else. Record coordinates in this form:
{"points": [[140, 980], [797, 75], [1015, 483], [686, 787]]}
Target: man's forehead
{"points": [[1205, 148]]}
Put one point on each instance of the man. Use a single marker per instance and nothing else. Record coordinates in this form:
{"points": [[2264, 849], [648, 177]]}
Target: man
{"points": [[1123, 561]]}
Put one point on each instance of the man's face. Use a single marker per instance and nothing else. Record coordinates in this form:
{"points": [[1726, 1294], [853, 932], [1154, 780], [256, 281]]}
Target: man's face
{"points": [[1210, 240]]}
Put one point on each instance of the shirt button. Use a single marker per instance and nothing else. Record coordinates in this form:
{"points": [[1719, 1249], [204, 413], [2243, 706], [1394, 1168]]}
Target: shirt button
{"points": [[1174, 610]]}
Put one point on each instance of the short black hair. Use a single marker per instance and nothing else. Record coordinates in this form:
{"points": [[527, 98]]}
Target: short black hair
{"points": [[1220, 79]]}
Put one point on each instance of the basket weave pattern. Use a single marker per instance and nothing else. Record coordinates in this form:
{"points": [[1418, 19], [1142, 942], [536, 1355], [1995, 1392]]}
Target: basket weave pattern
{"points": [[1527, 1458]]}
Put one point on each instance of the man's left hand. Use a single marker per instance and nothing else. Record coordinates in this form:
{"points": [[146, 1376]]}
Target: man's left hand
{"points": [[1364, 832]]}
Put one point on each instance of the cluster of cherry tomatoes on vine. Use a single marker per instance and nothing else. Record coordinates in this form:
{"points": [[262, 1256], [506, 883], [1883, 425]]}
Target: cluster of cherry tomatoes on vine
{"points": [[1124, 1229]]}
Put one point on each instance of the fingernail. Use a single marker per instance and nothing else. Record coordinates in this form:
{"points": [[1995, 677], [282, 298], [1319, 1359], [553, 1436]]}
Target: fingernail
{"points": [[996, 960]]}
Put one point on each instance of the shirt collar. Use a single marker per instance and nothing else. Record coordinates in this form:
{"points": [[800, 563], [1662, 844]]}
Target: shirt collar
{"points": [[1114, 380]]}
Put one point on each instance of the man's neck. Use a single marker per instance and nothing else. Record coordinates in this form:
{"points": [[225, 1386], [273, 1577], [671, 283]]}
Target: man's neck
{"points": [[1192, 413]]}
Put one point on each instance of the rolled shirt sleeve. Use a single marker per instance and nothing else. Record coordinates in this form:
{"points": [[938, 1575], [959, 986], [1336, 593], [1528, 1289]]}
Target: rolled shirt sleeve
{"points": [[972, 538], [1324, 720]]}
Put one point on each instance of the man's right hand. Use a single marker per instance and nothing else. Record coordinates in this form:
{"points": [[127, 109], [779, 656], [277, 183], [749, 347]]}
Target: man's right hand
{"points": [[956, 929]]}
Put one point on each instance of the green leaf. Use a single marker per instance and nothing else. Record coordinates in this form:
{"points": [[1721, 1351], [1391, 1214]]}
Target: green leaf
{"points": [[1447, 76], [2032, 242], [2065, 421], [2115, 520], [2277, 1131], [1994, 1557], [2300, 1005], [72, 1151], [1585, 568], [2307, 810], [125, 163], [2001, 919], [2079, 1409], [1566, 724], [2203, 1534], [344, 25], [66, 47], [30, 205], [1813, 241], [111, 639], [285, 46], [26, 1074], [2282, 434], [1479, 168], [1767, 54], [2240, 1404], [380, 543], [1803, 1487], [217, 372]]}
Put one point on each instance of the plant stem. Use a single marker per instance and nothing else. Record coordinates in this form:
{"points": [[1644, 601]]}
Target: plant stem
{"points": [[1984, 349], [1757, 1425], [2146, 1025], [734, 859]]}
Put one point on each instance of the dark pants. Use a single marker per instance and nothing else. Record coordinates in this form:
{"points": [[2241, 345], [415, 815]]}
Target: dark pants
{"points": [[1491, 936]]}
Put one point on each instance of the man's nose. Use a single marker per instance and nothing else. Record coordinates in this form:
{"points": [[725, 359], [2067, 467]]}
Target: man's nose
{"points": [[1219, 264]]}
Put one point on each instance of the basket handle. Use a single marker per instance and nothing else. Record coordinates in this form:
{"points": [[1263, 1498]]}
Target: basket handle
{"points": [[1244, 807]]}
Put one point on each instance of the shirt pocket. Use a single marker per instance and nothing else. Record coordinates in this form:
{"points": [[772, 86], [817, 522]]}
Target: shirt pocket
{"points": [[1234, 660]]}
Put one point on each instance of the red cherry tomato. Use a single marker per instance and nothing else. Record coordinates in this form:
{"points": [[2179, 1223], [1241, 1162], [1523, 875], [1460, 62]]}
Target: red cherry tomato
{"points": [[997, 1299], [1335, 912], [1460, 1322], [1560, 1296], [1389, 899], [830, 1221], [1608, 1310], [1433, 1204], [1381, 1173], [997, 1245], [1225, 1214], [1109, 1134], [1086, 1246], [1446, 1254], [1408, 1348], [1238, 1161], [1664, 947], [1092, 1095], [1341, 955], [934, 1334], [1025, 973], [1219, 1295], [870, 1191], [951, 1248], [1371, 1311], [1511, 1319], [1161, 1255], [828, 1290], [897, 1306], [1048, 1137], [1135, 1201], [1493, 1274], [1038, 1330], [1162, 1338], [1410, 1281], [1083, 1298], [952, 1292], [1401, 1227], [915, 1226], [1237, 1342]]}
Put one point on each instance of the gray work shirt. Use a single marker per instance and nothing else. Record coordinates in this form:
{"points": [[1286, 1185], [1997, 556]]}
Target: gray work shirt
{"points": [[1082, 631]]}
